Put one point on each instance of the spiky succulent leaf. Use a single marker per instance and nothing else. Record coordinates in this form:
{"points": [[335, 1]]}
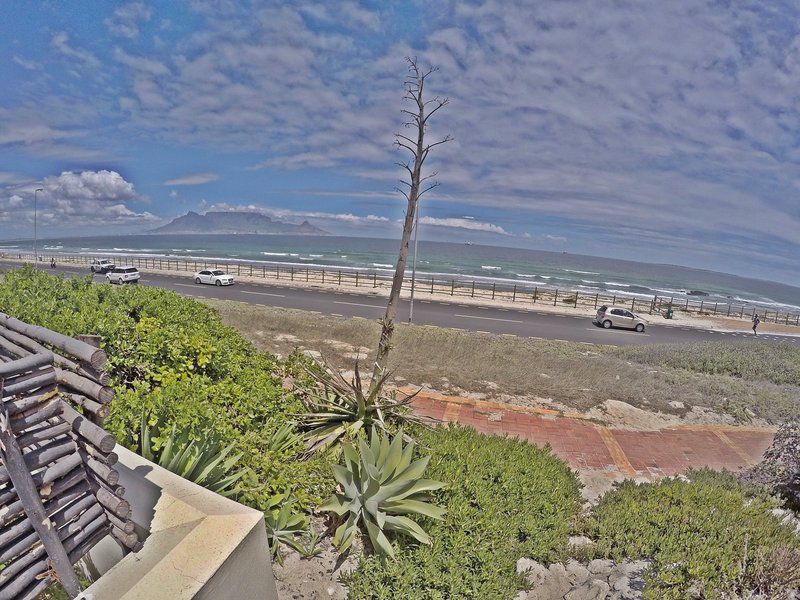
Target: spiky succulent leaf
{"points": [[381, 487]]}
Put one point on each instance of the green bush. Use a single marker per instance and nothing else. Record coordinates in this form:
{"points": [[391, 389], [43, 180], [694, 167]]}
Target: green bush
{"points": [[505, 499], [172, 358], [778, 363], [712, 532]]}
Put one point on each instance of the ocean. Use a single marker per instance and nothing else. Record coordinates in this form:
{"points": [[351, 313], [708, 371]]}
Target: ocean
{"points": [[462, 262]]}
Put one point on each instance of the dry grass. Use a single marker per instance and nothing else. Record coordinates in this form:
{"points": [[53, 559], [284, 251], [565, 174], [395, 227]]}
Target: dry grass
{"points": [[578, 375]]}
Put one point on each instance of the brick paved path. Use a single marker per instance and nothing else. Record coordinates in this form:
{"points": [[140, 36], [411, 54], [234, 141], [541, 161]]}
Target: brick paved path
{"points": [[587, 445]]}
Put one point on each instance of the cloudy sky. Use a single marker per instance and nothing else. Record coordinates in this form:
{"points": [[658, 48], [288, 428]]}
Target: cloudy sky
{"points": [[657, 131]]}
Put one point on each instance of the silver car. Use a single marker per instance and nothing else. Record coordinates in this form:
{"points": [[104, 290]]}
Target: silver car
{"points": [[617, 316]]}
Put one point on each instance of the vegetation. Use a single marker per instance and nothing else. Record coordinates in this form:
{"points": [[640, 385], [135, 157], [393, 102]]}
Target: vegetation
{"points": [[202, 460], [338, 409], [779, 470], [710, 534], [577, 375], [172, 358], [380, 484], [284, 524], [505, 499], [777, 363]]}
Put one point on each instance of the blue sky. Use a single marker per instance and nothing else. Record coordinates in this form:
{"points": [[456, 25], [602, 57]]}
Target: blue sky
{"points": [[657, 131]]}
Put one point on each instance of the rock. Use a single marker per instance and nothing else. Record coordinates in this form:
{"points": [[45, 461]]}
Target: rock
{"points": [[601, 566], [579, 541], [677, 404], [546, 583], [313, 354], [596, 589], [576, 572], [495, 416]]}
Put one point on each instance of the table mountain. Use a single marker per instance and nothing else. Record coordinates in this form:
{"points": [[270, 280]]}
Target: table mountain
{"points": [[233, 222]]}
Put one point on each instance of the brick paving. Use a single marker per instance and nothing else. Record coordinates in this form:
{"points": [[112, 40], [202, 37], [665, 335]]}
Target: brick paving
{"points": [[588, 445]]}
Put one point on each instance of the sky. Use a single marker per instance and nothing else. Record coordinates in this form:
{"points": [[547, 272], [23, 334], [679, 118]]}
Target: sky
{"points": [[657, 131]]}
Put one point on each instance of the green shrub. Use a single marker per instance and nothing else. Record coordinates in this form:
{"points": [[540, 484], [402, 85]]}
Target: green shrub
{"points": [[712, 532], [505, 499], [172, 358]]}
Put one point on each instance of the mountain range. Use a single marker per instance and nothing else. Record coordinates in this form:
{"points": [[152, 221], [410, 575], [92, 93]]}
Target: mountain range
{"points": [[235, 222]]}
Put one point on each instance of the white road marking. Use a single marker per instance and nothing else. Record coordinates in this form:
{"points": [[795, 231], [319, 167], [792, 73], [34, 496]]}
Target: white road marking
{"points": [[263, 294], [358, 304], [488, 318], [619, 331]]}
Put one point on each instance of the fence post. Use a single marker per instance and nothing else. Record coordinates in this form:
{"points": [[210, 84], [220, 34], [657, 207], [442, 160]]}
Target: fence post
{"points": [[431, 285], [535, 293], [555, 298], [715, 307], [614, 301], [514, 295], [452, 286], [473, 288], [277, 271], [340, 277], [493, 286], [729, 310], [356, 278], [596, 298], [292, 272], [306, 273], [323, 276]]}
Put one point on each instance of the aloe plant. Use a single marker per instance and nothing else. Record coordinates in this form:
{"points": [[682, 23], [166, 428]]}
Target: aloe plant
{"points": [[380, 484], [204, 462], [283, 525], [338, 409]]}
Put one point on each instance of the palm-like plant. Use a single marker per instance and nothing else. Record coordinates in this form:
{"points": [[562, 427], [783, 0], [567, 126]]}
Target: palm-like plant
{"points": [[339, 409], [380, 484], [205, 463]]}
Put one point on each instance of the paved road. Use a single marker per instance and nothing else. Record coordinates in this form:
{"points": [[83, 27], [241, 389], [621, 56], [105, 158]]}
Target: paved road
{"points": [[522, 322]]}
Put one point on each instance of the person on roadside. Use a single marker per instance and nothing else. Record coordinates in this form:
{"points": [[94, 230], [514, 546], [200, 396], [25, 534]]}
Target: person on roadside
{"points": [[756, 322]]}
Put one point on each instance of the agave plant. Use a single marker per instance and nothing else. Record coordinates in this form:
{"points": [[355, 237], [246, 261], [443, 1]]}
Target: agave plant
{"points": [[283, 439], [283, 525], [380, 484], [339, 409], [204, 462]]}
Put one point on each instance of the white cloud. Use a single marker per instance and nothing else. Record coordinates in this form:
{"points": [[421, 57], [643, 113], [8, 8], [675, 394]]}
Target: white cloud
{"points": [[125, 20], [60, 41], [173, 194], [76, 199], [193, 179], [463, 223], [25, 63]]}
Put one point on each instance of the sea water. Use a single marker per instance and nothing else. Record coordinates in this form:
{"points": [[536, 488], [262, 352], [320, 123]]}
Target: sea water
{"points": [[502, 266]]}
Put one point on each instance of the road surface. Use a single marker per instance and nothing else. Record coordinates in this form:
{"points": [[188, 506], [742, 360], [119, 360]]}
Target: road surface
{"points": [[521, 321]]}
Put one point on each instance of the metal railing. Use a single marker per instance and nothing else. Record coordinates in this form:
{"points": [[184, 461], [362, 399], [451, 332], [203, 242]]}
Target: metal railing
{"points": [[441, 286]]}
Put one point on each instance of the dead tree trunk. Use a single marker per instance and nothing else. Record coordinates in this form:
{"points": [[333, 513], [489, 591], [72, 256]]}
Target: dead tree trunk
{"points": [[412, 190]]}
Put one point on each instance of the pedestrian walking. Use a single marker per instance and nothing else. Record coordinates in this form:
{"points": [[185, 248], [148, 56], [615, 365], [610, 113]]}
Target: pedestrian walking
{"points": [[756, 322]]}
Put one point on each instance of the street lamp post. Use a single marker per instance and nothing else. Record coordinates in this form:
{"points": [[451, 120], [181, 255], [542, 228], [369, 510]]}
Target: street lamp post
{"points": [[35, 233], [414, 267]]}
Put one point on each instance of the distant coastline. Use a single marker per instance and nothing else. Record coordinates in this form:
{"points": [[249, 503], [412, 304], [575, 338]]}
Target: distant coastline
{"points": [[502, 266]]}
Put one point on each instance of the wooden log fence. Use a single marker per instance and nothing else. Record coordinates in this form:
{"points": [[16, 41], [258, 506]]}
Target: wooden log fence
{"points": [[480, 289], [59, 492]]}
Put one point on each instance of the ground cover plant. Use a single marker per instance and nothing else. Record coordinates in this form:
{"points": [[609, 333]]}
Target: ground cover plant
{"points": [[712, 535], [578, 375], [172, 359], [504, 499], [775, 362]]}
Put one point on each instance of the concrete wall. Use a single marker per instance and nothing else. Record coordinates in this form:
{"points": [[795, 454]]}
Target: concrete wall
{"points": [[197, 545]]}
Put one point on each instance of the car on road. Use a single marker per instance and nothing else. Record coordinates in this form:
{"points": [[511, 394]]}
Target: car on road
{"points": [[617, 316], [123, 275], [101, 265], [213, 277]]}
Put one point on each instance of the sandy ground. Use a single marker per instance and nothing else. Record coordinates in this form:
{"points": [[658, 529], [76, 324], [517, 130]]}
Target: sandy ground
{"points": [[442, 293]]}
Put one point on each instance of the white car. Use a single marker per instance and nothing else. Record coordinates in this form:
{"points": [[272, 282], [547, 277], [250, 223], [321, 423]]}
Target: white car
{"points": [[123, 275], [213, 277], [101, 265]]}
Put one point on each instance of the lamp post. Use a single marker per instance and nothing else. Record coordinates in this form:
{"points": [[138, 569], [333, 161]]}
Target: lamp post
{"points": [[414, 267], [35, 234]]}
